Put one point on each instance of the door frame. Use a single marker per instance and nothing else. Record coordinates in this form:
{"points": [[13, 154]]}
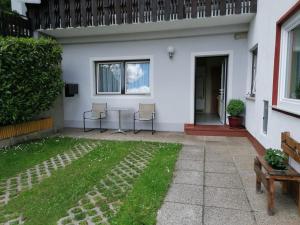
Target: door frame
{"points": [[228, 85]]}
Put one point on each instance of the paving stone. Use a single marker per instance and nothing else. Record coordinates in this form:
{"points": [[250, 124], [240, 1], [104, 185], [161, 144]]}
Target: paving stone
{"points": [[188, 177], [222, 216], [220, 167], [223, 180], [242, 150], [244, 163], [184, 193], [190, 165], [290, 217], [226, 198], [218, 157], [179, 214], [192, 153]]}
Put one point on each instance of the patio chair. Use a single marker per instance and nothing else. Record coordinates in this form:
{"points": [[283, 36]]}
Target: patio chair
{"points": [[146, 113], [98, 112]]}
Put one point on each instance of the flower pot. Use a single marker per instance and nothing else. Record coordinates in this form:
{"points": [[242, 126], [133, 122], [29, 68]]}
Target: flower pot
{"points": [[235, 121]]}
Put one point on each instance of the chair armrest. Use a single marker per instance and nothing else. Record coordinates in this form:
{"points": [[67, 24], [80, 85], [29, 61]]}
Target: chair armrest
{"points": [[86, 112], [135, 114], [105, 112], [153, 115]]}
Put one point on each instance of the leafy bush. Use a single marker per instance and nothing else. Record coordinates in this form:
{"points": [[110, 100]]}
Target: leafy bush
{"points": [[30, 77], [235, 107], [5, 5], [276, 159]]}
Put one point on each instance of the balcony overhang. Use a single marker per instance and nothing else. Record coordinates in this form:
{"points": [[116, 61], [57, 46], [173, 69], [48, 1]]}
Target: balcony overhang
{"points": [[162, 26]]}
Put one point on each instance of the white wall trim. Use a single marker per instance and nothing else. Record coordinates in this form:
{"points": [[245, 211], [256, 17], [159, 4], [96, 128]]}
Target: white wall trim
{"points": [[96, 97], [149, 35], [228, 53]]}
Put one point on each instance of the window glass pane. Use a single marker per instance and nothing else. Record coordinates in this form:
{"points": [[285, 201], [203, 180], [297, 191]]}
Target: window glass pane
{"points": [[254, 68], [109, 78], [137, 77], [293, 80]]}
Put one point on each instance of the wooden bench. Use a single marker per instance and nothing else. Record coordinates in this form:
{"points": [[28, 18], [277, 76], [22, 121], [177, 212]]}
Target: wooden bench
{"points": [[290, 179]]}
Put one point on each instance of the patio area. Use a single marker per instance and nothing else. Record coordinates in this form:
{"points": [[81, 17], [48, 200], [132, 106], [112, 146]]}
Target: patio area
{"points": [[214, 182]]}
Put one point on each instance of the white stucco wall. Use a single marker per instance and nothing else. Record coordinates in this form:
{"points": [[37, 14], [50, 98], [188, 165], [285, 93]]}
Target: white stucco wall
{"points": [[263, 32], [172, 80]]}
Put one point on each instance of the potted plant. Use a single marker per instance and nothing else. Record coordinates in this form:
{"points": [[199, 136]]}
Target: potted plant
{"points": [[235, 108], [276, 159]]}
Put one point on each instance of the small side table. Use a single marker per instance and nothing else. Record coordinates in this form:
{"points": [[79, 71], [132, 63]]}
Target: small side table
{"points": [[119, 110]]}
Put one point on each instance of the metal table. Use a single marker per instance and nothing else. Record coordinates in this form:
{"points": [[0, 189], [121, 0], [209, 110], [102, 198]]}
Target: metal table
{"points": [[119, 110]]}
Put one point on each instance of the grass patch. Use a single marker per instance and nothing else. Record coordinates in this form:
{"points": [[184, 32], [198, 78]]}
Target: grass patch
{"points": [[141, 205], [50, 200], [21, 157]]}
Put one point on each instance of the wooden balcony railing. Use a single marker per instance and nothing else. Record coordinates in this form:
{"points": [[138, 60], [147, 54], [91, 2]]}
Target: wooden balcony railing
{"points": [[14, 25], [82, 13]]}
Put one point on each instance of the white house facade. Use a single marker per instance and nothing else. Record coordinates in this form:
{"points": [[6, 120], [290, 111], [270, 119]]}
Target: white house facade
{"points": [[189, 63]]}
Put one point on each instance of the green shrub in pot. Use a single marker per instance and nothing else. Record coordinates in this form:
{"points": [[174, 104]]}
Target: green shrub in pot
{"points": [[235, 108], [276, 158]]}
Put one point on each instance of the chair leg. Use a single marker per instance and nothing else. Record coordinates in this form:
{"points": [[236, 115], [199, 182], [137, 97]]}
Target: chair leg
{"points": [[84, 125], [134, 124], [101, 129], [152, 127]]}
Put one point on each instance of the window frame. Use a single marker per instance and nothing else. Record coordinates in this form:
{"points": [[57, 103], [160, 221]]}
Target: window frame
{"points": [[123, 76], [98, 74], [253, 50], [285, 61]]}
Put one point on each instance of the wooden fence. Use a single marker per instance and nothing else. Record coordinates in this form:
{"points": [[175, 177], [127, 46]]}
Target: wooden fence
{"points": [[81, 13], [14, 25]]}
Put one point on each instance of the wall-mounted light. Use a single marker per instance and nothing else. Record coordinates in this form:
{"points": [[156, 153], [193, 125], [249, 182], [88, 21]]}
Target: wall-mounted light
{"points": [[171, 51]]}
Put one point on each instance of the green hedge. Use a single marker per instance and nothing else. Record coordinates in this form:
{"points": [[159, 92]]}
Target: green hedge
{"points": [[30, 77]]}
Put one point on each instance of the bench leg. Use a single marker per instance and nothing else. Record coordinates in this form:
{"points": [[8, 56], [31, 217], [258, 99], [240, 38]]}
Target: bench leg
{"points": [[284, 187], [271, 190], [299, 197], [258, 185], [258, 179]]}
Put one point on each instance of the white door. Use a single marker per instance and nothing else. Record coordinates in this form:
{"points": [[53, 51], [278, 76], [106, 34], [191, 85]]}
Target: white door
{"points": [[222, 91]]}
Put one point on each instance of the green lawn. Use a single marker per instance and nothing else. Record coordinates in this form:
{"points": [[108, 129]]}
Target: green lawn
{"points": [[50, 200], [16, 159]]}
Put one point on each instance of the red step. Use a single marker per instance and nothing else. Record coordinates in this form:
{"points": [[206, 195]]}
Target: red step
{"points": [[215, 130]]}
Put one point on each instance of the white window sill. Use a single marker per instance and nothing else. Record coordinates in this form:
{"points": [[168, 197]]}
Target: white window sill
{"points": [[250, 98], [285, 111]]}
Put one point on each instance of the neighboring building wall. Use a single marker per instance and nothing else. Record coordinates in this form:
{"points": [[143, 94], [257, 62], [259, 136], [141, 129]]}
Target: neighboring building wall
{"points": [[172, 86], [263, 32]]}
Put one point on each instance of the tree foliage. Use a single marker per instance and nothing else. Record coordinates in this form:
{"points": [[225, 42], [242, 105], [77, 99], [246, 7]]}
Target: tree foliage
{"points": [[30, 77], [5, 5]]}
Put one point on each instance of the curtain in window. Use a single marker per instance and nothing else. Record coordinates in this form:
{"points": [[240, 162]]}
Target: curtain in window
{"points": [[109, 79], [137, 78]]}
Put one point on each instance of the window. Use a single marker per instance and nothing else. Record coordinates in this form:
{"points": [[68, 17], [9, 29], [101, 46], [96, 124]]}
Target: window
{"points": [[266, 117], [109, 78], [137, 78], [124, 77], [292, 88], [253, 72]]}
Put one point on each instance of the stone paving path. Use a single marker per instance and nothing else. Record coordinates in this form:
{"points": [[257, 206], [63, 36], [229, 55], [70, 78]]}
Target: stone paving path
{"points": [[214, 184], [11, 187], [103, 201]]}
